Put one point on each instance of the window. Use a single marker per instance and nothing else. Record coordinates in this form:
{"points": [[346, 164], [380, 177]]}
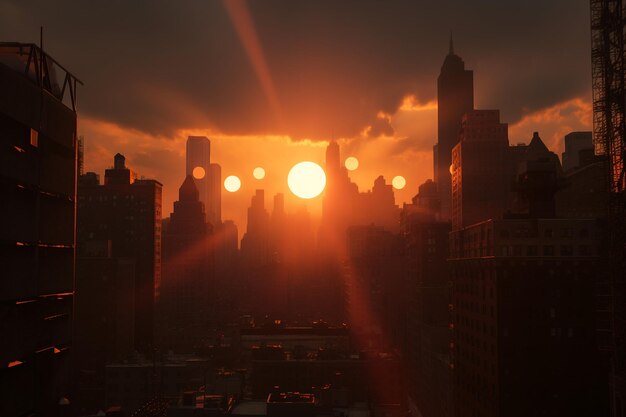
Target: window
{"points": [[34, 138], [531, 250], [548, 250], [548, 233], [567, 250]]}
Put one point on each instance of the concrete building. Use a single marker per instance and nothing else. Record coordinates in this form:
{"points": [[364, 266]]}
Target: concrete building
{"points": [[38, 154]]}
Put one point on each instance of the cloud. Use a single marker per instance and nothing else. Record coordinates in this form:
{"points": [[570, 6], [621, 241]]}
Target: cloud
{"points": [[553, 123], [160, 66]]}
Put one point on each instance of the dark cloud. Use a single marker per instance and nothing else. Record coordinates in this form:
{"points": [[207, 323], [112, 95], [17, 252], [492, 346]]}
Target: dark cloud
{"points": [[161, 65]]}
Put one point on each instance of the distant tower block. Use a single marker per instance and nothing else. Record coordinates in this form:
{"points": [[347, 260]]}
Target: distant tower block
{"points": [[214, 206], [199, 155]]}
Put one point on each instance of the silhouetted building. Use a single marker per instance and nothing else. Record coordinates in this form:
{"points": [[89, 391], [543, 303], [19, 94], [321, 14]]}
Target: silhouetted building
{"points": [[105, 320], [197, 164], [480, 187], [455, 97], [38, 163], [524, 309], [535, 176], [214, 206], [255, 242], [584, 192], [375, 291], [426, 344], [188, 284], [126, 212], [575, 142]]}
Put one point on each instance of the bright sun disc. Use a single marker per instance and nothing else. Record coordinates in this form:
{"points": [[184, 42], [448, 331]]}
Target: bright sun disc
{"points": [[306, 180], [232, 183], [398, 182], [258, 173], [198, 173], [351, 163]]}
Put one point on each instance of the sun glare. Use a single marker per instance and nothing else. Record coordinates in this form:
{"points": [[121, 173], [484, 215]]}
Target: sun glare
{"points": [[258, 173], [351, 163], [198, 173], [398, 182], [306, 180], [232, 183]]}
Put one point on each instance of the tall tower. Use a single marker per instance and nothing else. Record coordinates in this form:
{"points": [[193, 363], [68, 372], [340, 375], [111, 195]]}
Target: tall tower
{"points": [[198, 165], [214, 204], [455, 97]]}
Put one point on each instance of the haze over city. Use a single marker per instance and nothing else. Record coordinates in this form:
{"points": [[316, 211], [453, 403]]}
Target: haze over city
{"points": [[313, 208]]}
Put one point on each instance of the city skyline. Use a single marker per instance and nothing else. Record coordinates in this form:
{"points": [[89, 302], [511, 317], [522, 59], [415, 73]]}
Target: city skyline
{"points": [[508, 76], [313, 208]]}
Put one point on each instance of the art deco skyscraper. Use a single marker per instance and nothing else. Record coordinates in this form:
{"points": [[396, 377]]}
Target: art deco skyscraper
{"points": [[455, 97]]}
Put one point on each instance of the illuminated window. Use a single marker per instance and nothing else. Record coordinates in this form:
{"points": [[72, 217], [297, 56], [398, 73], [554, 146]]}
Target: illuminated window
{"points": [[34, 138]]}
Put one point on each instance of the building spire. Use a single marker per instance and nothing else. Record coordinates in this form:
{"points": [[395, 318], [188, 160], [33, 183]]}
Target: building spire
{"points": [[451, 44]]}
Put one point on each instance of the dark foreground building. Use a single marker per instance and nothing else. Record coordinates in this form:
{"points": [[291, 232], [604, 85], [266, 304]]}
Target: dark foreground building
{"points": [[37, 186]]}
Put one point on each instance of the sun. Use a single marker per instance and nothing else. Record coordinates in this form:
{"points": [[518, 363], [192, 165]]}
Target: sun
{"points": [[198, 173], [398, 182], [258, 173], [351, 163], [232, 183], [306, 179]]}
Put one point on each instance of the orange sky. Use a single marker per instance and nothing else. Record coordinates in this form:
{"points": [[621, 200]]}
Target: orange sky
{"points": [[407, 152]]}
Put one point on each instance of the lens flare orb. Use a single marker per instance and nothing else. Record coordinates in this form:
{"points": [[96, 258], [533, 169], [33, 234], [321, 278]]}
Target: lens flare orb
{"points": [[306, 180], [351, 163], [398, 182], [232, 183], [258, 173], [198, 173]]}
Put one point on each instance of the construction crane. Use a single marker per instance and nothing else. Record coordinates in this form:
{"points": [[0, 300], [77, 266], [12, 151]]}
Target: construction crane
{"points": [[609, 124]]}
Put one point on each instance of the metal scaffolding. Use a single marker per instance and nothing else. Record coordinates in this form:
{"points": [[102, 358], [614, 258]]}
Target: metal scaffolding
{"points": [[609, 120]]}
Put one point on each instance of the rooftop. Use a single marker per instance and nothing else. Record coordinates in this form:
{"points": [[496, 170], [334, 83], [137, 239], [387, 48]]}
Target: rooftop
{"points": [[41, 69]]}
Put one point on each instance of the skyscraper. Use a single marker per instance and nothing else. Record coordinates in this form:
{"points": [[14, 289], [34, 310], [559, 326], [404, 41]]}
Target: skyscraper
{"points": [[187, 273], [127, 212], [214, 207], [480, 181], [198, 161], [455, 97], [38, 154]]}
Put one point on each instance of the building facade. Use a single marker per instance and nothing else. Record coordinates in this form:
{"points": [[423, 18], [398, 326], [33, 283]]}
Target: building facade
{"points": [[127, 213], [455, 97], [38, 163]]}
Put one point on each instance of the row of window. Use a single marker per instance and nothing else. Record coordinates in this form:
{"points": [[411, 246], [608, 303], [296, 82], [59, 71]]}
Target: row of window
{"points": [[545, 250]]}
